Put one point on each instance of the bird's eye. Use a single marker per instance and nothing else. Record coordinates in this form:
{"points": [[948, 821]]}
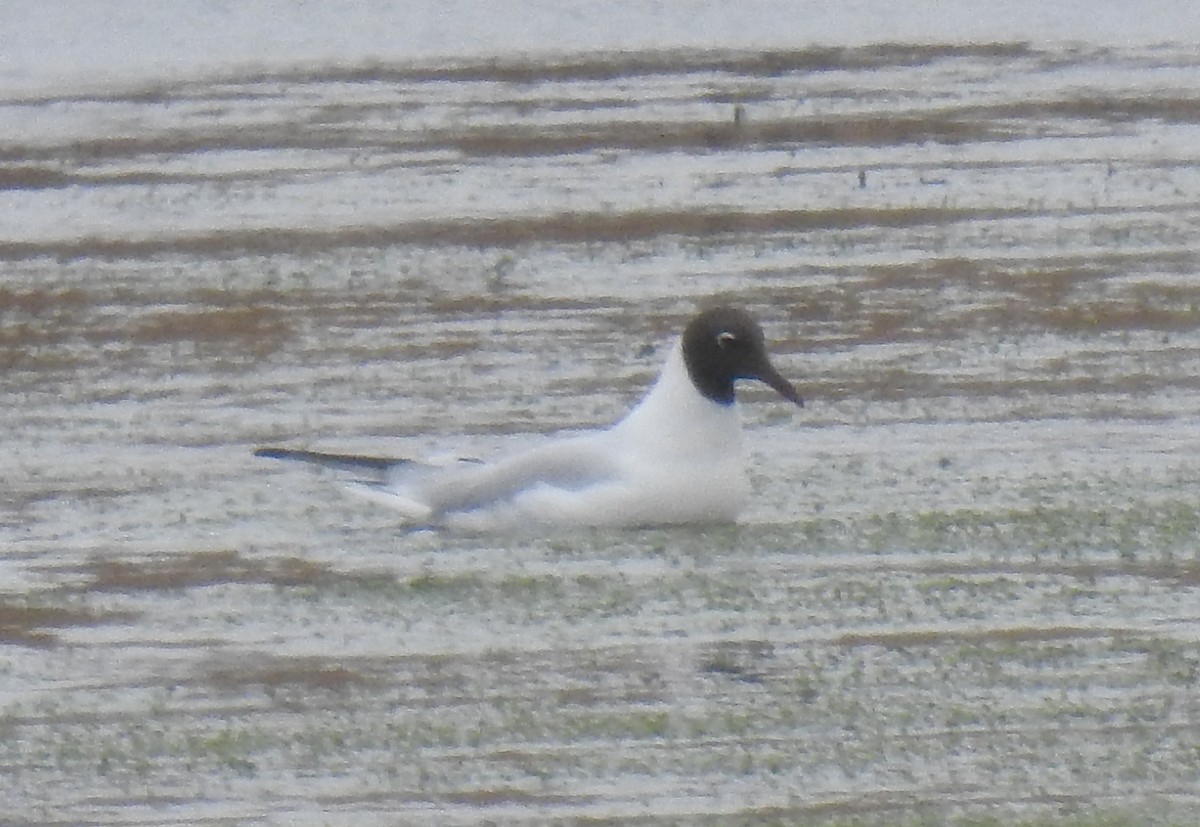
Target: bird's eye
{"points": [[725, 338]]}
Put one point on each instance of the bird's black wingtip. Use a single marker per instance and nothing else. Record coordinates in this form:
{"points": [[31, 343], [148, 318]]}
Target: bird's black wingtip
{"points": [[273, 453], [342, 462]]}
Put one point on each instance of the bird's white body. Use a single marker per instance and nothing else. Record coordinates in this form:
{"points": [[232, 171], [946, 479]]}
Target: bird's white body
{"points": [[677, 457]]}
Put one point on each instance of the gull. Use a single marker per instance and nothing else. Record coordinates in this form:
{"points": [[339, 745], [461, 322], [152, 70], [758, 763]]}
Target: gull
{"points": [[675, 458]]}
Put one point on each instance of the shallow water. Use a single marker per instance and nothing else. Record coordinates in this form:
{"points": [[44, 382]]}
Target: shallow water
{"points": [[968, 583]]}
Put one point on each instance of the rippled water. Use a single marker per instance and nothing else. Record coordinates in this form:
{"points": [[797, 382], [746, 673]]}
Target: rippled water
{"points": [[968, 585]]}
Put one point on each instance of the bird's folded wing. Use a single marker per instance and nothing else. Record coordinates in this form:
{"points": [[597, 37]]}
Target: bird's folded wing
{"points": [[572, 464]]}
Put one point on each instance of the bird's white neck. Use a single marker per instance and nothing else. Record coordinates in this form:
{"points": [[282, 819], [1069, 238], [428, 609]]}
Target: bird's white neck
{"points": [[674, 419]]}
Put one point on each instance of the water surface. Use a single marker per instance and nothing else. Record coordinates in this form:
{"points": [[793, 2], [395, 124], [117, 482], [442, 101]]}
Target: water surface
{"points": [[967, 585]]}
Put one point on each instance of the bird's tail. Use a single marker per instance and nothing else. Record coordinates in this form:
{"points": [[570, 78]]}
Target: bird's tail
{"points": [[396, 482]]}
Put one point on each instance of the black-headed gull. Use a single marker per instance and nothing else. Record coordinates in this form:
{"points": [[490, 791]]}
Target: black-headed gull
{"points": [[676, 457]]}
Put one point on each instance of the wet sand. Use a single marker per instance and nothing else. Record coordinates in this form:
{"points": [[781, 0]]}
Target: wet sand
{"points": [[967, 586]]}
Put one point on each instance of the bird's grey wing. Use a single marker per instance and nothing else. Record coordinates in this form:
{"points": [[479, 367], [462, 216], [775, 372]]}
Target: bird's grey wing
{"points": [[572, 464]]}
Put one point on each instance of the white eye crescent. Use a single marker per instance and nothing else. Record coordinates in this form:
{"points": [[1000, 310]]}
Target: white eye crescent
{"points": [[725, 337]]}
